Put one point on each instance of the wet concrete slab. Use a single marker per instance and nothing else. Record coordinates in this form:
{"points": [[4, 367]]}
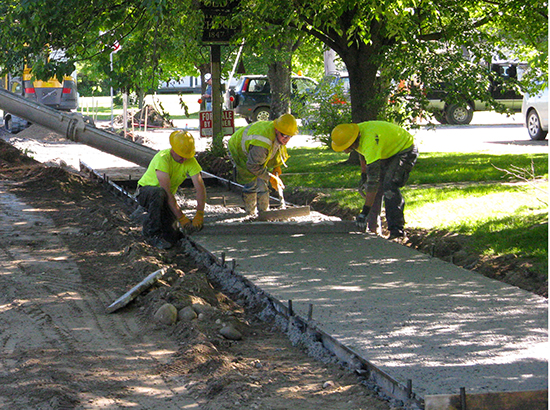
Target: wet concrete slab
{"points": [[415, 317]]}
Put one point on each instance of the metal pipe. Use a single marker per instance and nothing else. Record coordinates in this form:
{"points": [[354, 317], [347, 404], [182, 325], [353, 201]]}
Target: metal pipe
{"points": [[73, 127]]}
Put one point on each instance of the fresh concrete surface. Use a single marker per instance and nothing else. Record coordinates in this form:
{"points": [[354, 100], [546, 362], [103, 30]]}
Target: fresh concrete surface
{"points": [[413, 316]]}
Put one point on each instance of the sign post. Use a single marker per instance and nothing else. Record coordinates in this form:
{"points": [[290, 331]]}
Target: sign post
{"points": [[218, 30]]}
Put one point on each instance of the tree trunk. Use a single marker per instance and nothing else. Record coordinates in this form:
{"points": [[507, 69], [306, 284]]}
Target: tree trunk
{"points": [[362, 73], [279, 74], [279, 78]]}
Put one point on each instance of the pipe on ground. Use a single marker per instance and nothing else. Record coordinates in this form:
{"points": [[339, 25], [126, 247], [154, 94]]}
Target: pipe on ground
{"points": [[73, 127]]}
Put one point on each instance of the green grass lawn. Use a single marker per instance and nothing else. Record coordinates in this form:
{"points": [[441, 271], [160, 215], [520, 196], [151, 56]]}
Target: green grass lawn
{"points": [[467, 193]]}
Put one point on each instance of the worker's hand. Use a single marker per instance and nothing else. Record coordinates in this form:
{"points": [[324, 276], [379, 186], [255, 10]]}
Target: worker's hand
{"points": [[185, 222], [361, 222], [277, 171], [276, 182], [198, 220]]}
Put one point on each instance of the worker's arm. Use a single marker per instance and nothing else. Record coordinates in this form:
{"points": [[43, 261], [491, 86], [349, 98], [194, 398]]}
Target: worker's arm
{"points": [[257, 157], [200, 189], [372, 183], [363, 164]]}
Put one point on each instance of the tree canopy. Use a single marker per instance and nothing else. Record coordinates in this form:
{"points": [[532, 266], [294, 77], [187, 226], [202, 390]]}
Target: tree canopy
{"points": [[380, 42]]}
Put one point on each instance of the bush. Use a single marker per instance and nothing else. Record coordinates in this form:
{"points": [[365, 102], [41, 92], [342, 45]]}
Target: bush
{"points": [[325, 108]]}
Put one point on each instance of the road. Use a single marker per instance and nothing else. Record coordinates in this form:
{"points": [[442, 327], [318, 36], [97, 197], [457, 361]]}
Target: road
{"points": [[489, 131]]}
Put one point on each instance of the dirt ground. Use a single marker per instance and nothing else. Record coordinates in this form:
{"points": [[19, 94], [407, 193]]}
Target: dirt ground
{"points": [[61, 350]]}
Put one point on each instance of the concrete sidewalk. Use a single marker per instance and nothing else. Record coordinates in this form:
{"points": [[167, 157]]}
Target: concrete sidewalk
{"points": [[415, 317]]}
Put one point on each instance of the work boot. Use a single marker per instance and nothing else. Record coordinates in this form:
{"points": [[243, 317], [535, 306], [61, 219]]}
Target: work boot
{"points": [[158, 242], [249, 199], [139, 215], [263, 202], [397, 234]]}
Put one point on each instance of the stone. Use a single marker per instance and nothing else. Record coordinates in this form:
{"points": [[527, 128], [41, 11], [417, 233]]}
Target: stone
{"points": [[187, 314], [167, 314], [229, 332]]}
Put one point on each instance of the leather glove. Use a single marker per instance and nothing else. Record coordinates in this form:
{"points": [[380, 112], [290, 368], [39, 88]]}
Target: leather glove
{"points": [[276, 182], [198, 220], [277, 171], [361, 222], [184, 222]]}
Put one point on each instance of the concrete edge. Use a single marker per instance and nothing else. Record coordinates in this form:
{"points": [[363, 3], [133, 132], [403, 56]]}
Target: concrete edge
{"points": [[279, 228]]}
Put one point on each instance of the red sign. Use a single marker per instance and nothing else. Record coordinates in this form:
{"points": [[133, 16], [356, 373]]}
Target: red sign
{"points": [[205, 123]]}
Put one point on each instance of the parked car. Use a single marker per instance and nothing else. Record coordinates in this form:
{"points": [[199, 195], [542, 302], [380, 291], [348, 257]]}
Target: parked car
{"points": [[535, 111], [252, 95], [462, 113]]}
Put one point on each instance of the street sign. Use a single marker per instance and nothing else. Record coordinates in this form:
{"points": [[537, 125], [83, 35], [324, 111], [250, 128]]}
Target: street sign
{"points": [[206, 123], [218, 28]]}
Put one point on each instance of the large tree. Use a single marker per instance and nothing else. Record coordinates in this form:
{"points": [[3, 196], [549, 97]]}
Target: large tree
{"points": [[383, 42], [380, 42]]}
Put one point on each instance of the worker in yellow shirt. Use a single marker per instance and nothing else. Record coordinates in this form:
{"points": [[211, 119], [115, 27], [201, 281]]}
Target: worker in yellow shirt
{"points": [[388, 156], [258, 152], [157, 187]]}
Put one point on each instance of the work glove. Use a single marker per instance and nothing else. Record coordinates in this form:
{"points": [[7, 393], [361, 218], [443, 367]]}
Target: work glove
{"points": [[276, 182], [185, 222], [361, 219], [361, 222], [198, 221]]}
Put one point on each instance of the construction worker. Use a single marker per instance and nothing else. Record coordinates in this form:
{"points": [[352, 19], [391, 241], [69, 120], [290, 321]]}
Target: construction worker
{"points": [[258, 152], [387, 154], [157, 187]]}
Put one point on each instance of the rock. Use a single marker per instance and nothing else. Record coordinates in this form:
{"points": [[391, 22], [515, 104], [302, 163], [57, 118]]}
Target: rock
{"points": [[328, 384], [229, 332], [187, 313], [204, 309], [167, 314]]}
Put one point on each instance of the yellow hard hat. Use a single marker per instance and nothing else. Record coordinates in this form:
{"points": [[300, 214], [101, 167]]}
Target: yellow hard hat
{"points": [[286, 124], [343, 136], [183, 144]]}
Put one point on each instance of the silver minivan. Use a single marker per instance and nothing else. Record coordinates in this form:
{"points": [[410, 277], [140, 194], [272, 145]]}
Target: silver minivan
{"points": [[534, 110]]}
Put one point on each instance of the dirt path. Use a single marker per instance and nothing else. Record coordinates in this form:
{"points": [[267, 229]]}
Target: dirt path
{"points": [[59, 348]]}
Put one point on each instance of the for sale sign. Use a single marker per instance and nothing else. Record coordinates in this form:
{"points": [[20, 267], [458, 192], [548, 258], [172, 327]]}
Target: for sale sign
{"points": [[206, 119]]}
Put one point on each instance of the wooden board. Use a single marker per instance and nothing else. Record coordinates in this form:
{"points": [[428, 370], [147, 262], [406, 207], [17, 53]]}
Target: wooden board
{"points": [[136, 290], [279, 214], [525, 400]]}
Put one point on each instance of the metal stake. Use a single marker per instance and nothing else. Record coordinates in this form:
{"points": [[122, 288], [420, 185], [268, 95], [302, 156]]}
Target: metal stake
{"points": [[463, 399]]}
